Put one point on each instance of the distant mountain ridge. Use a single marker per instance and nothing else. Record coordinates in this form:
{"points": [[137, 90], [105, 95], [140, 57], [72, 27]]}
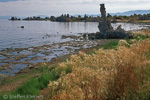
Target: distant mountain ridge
{"points": [[132, 12], [127, 13], [9, 17], [5, 17]]}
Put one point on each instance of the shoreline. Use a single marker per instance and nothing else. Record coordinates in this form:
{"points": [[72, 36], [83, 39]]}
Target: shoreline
{"points": [[118, 21], [26, 59], [36, 70]]}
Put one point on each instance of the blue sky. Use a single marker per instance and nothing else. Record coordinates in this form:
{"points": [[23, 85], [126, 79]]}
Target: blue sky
{"points": [[58, 7], [7, 0]]}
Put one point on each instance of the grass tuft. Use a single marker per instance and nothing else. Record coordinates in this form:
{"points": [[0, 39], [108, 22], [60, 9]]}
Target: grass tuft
{"points": [[111, 45], [115, 72]]}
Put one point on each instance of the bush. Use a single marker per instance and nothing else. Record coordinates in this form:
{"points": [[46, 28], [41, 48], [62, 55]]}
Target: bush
{"points": [[110, 74]]}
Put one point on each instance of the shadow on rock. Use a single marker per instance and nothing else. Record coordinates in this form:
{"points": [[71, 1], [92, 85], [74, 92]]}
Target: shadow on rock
{"points": [[106, 30]]}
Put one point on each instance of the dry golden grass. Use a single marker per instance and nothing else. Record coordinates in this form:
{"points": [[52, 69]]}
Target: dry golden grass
{"points": [[106, 74], [144, 21], [145, 32]]}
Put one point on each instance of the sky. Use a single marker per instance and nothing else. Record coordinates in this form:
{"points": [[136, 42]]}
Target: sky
{"points": [[24, 8]]}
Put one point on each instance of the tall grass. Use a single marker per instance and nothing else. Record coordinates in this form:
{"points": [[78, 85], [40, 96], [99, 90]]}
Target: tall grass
{"points": [[120, 74]]}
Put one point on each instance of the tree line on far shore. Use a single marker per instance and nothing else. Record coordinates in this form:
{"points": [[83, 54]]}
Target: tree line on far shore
{"points": [[85, 18]]}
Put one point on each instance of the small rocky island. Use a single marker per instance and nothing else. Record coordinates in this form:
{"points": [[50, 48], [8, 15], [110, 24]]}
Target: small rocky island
{"points": [[106, 30]]}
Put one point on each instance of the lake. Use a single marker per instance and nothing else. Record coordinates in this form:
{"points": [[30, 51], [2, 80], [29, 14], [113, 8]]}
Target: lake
{"points": [[41, 41], [36, 33]]}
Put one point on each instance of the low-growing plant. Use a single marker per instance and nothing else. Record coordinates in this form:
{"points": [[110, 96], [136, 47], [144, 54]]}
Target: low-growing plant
{"points": [[13, 80], [140, 37], [111, 45], [68, 69], [35, 84]]}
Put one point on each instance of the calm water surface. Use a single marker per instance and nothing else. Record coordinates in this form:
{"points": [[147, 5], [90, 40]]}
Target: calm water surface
{"points": [[36, 33]]}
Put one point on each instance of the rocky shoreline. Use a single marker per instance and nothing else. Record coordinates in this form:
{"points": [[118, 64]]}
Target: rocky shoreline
{"points": [[21, 60]]}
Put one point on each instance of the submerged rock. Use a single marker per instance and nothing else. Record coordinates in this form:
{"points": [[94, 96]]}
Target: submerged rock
{"points": [[70, 36], [22, 26]]}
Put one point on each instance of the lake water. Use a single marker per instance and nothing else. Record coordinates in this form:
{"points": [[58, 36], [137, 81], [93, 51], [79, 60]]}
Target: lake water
{"points": [[37, 33], [41, 41]]}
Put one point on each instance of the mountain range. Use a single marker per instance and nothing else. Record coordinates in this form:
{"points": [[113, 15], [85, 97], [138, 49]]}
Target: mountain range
{"points": [[132, 12], [128, 13]]}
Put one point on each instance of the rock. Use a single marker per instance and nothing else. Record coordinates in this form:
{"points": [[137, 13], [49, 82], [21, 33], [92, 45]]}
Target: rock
{"points": [[5, 65], [115, 35], [11, 67], [70, 36], [105, 24], [3, 68], [30, 66], [107, 31], [22, 26], [45, 58]]}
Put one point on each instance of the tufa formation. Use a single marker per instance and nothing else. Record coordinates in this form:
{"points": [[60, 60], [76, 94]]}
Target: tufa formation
{"points": [[107, 31], [105, 24]]}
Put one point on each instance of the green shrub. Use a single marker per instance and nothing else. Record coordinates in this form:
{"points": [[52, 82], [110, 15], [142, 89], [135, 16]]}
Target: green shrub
{"points": [[140, 37], [30, 87], [111, 45], [68, 69]]}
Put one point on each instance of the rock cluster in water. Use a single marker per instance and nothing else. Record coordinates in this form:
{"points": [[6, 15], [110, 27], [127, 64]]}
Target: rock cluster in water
{"points": [[107, 31]]}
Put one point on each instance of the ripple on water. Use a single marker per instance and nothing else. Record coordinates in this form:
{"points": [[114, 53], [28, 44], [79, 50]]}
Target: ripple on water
{"points": [[25, 52], [2, 57], [1, 64]]}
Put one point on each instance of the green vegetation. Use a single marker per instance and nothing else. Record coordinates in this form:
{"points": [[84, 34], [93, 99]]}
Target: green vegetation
{"points": [[68, 18], [5, 81], [68, 70], [111, 45], [114, 44], [86, 68], [132, 18], [140, 37], [35, 84]]}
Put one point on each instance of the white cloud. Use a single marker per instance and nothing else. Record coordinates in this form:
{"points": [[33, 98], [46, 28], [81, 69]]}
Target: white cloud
{"points": [[57, 7]]}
